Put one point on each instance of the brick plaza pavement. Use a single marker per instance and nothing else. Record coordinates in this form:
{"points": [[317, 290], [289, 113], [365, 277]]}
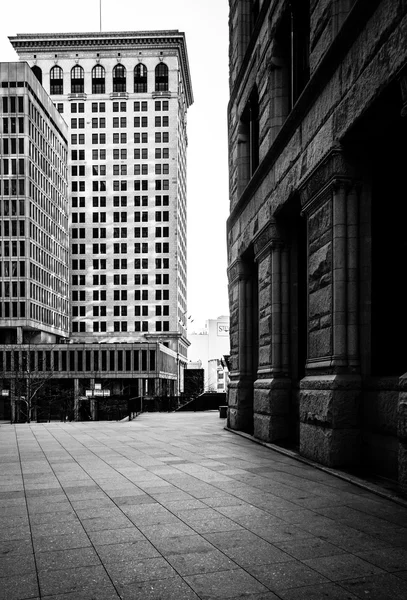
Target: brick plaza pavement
{"points": [[173, 507]]}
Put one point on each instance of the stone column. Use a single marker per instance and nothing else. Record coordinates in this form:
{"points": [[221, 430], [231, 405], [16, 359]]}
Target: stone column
{"points": [[402, 403], [272, 387], [402, 433], [331, 391], [240, 392]]}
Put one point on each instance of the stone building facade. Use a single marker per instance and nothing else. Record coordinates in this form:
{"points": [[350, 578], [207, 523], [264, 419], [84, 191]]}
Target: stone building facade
{"points": [[316, 242]]}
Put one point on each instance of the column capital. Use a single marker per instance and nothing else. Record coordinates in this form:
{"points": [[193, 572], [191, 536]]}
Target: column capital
{"points": [[238, 271], [271, 236]]}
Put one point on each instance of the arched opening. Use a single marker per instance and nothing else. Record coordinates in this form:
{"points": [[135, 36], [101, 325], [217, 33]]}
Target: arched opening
{"points": [[98, 80], [161, 78], [56, 81], [248, 147], [77, 80], [119, 78], [140, 78], [37, 72]]}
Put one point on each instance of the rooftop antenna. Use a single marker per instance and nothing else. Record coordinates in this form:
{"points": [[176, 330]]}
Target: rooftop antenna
{"points": [[100, 15]]}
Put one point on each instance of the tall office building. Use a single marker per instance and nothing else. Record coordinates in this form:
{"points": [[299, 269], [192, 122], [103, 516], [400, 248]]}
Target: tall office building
{"points": [[124, 97], [34, 278]]}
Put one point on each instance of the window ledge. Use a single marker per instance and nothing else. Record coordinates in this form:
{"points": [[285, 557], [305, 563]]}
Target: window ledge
{"points": [[80, 96]]}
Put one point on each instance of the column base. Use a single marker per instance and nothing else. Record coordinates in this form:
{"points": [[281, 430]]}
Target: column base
{"points": [[329, 419], [240, 406], [272, 409], [402, 433]]}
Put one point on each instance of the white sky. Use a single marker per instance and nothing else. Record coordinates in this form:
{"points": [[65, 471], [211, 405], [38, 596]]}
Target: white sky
{"points": [[205, 24]]}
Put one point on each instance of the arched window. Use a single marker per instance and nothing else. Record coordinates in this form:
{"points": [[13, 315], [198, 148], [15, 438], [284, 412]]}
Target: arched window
{"points": [[140, 78], [98, 80], [119, 78], [77, 80], [56, 81], [37, 72], [161, 77]]}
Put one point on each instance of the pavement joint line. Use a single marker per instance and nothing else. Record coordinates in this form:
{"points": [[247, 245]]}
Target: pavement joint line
{"points": [[370, 487], [28, 511]]}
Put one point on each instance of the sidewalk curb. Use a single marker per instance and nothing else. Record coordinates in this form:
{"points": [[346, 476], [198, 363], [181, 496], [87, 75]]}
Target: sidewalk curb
{"points": [[371, 487]]}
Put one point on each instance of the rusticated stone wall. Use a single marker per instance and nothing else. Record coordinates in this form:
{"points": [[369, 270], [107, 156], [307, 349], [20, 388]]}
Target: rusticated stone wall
{"points": [[314, 166]]}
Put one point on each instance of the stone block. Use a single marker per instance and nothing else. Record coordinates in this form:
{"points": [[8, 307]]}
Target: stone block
{"points": [[320, 343], [331, 401], [270, 428], [271, 401], [320, 221], [320, 302], [320, 263], [330, 447]]}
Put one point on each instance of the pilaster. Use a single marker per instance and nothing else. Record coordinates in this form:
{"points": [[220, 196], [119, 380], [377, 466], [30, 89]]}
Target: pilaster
{"points": [[240, 390], [272, 388], [402, 433], [331, 391]]}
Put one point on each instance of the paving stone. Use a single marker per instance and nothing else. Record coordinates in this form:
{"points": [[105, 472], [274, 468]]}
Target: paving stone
{"points": [[224, 584], [201, 562], [378, 587], [182, 545], [309, 548], [137, 550], [19, 587], [165, 530], [115, 536], [60, 542], [13, 547], [343, 566], [169, 589], [13, 564], [14, 533], [285, 575], [135, 571], [76, 581], [61, 527], [260, 553], [67, 559], [328, 591], [389, 559]]}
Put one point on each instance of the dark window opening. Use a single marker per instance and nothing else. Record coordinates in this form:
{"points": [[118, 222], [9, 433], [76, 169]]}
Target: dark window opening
{"points": [[56, 85], [77, 80], [161, 77], [98, 80], [119, 78]]}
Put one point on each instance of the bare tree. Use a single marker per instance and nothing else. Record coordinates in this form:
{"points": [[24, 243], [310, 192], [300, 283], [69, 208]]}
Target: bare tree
{"points": [[30, 382]]}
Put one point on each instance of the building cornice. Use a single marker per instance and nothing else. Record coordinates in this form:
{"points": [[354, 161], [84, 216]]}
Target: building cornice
{"points": [[28, 43]]}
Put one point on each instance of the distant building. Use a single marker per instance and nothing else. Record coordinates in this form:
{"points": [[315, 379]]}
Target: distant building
{"points": [[34, 242], [316, 232], [209, 346], [93, 144], [124, 96]]}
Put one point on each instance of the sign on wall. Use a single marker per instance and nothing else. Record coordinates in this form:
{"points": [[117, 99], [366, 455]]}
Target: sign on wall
{"points": [[223, 329]]}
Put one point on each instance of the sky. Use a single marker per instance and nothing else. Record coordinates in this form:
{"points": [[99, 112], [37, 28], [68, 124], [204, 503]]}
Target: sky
{"points": [[205, 24]]}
